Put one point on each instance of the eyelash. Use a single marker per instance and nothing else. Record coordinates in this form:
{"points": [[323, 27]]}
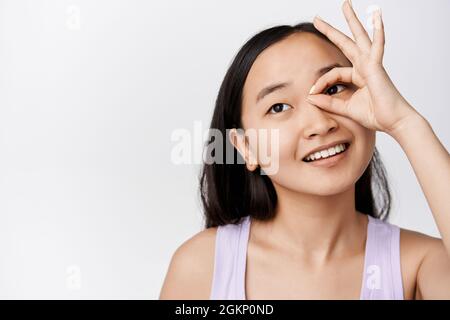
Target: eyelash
{"points": [[334, 85]]}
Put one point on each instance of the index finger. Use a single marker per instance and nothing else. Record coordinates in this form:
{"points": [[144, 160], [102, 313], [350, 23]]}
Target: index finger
{"points": [[342, 74], [357, 29]]}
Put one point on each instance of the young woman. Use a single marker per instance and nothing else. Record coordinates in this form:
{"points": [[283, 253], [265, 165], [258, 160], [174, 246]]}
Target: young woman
{"points": [[313, 229]]}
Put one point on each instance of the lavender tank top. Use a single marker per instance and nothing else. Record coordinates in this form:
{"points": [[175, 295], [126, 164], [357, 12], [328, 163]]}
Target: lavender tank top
{"points": [[382, 279]]}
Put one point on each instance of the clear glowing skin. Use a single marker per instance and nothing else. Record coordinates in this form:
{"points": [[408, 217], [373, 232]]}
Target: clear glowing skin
{"points": [[303, 126]]}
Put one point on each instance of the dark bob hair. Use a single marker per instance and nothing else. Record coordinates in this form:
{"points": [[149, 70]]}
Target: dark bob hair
{"points": [[229, 191]]}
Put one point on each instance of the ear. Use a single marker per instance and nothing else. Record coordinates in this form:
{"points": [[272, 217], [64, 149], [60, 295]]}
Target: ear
{"points": [[239, 141]]}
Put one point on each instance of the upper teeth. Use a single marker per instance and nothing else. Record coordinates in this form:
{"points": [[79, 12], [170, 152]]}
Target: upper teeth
{"points": [[326, 153]]}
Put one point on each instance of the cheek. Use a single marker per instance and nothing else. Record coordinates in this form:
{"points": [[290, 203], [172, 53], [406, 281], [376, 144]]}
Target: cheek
{"points": [[367, 147], [279, 145], [363, 143], [276, 149]]}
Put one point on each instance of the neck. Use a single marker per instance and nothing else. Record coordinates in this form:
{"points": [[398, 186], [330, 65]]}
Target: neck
{"points": [[317, 227]]}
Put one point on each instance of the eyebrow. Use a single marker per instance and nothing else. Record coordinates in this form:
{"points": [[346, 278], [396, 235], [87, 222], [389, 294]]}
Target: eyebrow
{"points": [[278, 86]]}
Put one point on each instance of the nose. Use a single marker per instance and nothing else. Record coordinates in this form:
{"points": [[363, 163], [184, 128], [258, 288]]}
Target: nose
{"points": [[317, 122]]}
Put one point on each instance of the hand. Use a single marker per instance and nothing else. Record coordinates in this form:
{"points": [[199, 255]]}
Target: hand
{"points": [[376, 104]]}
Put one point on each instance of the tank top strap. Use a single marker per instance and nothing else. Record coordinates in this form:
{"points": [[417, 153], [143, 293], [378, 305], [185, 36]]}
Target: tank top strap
{"points": [[382, 278], [230, 261]]}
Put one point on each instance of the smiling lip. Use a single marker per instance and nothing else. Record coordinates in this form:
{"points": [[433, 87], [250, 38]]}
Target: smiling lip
{"points": [[330, 161], [327, 146]]}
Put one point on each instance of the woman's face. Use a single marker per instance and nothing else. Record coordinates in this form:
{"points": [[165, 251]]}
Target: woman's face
{"points": [[302, 126]]}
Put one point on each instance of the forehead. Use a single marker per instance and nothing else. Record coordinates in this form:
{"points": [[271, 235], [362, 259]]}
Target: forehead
{"points": [[296, 58]]}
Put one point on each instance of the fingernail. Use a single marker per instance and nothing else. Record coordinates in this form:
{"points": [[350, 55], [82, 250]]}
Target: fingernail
{"points": [[350, 3], [312, 89], [318, 18]]}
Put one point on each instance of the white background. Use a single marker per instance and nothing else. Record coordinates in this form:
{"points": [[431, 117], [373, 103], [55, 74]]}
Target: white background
{"points": [[90, 91]]}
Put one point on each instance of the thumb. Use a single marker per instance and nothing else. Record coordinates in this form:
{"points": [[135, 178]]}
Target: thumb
{"points": [[329, 103]]}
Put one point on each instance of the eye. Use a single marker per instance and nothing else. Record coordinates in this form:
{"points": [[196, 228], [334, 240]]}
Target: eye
{"points": [[277, 108], [334, 89]]}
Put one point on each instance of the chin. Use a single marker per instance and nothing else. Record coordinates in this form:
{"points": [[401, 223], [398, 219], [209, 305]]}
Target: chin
{"points": [[327, 188]]}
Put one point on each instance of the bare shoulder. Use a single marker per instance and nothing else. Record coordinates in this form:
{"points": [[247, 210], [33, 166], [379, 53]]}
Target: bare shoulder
{"points": [[414, 240], [191, 268], [416, 248], [416, 245]]}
